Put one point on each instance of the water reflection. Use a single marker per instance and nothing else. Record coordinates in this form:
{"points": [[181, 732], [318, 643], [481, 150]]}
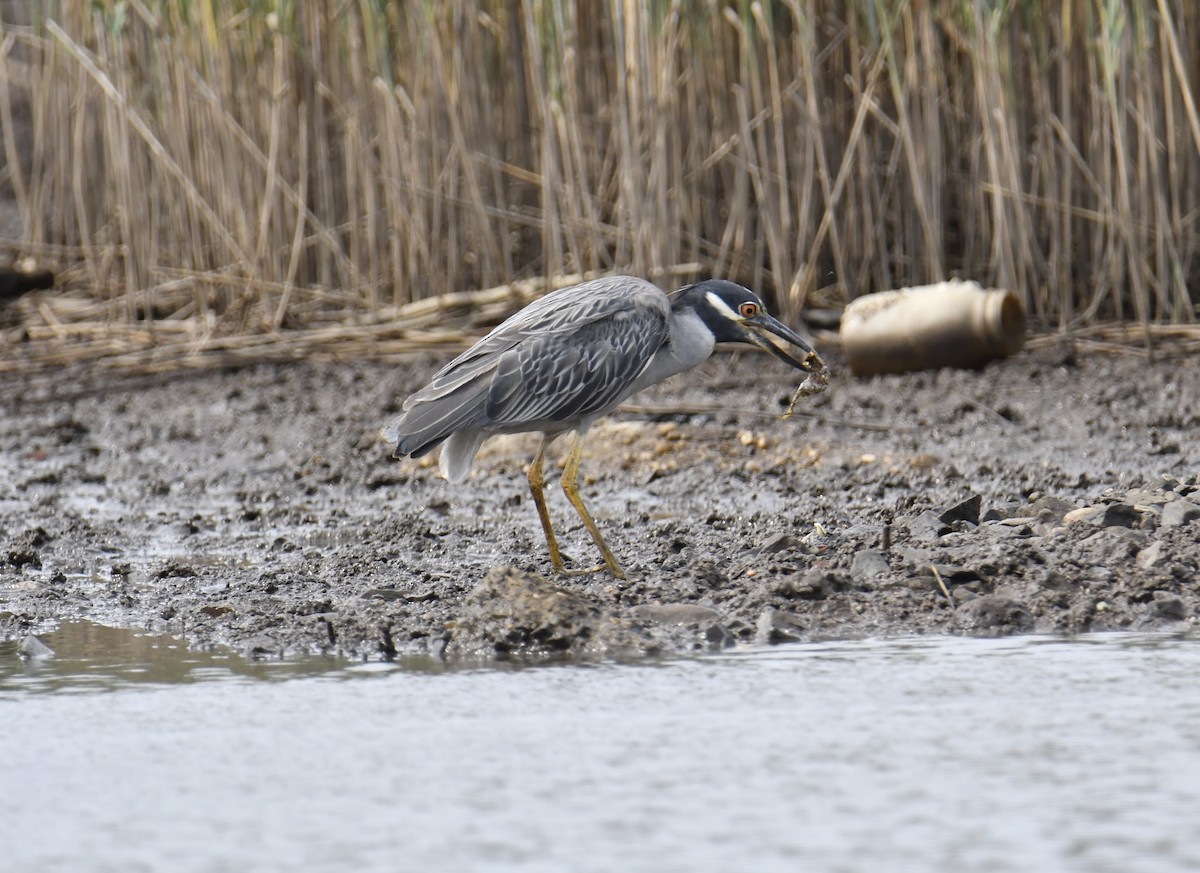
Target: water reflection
{"points": [[91, 657]]}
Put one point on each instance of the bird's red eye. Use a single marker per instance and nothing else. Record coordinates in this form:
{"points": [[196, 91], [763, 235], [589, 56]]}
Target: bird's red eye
{"points": [[748, 310]]}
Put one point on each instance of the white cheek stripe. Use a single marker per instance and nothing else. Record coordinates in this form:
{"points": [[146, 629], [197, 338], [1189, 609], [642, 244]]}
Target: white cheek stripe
{"points": [[722, 307]]}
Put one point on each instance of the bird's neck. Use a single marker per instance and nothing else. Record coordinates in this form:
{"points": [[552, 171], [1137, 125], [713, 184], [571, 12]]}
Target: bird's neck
{"points": [[689, 343]]}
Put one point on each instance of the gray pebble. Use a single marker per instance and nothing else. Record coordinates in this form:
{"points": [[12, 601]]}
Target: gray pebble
{"points": [[1168, 606], [994, 613], [1056, 581], [966, 510], [719, 637], [868, 565], [810, 585], [1105, 515], [1178, 513], [778, 542], [1151, 556], [775, 627], [927, 526], [1050, 509]]}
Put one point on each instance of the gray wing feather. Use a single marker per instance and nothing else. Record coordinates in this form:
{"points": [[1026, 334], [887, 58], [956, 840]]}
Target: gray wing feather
{"points": [[563, 377], [570, 353]]}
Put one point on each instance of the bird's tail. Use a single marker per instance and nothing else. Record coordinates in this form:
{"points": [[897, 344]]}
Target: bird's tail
{"points": [[426, 423], [458, 453]]}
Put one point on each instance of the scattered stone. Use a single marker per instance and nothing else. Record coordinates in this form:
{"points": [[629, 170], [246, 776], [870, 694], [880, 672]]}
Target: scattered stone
{"points": [[175, 570], [994, 614], [1050, 510], [776, 627], [966, 510], [1168, 606], [1151, 556], [1178, 513], [719, 637], [674, 613], [927, 526], [868, 565], [24, 558], [1083, 515], [1055, 581], [31, 647], [1008, 527], [1149, 497], [1105, 515], [778, 542], [962, 594], [810, 585]]}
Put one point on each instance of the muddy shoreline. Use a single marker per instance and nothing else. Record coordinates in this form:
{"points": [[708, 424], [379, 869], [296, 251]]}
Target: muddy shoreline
{"points": [[256, 508]]}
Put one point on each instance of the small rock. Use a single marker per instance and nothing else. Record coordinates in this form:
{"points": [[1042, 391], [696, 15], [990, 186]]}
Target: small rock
{"points": [[1168, 606], [778, 542], [1105, 515], [1056, 581], [868, 565], [962, 594], [994, 614], [776, 627], [719, 637], [1050, 510], [1148, 497], [1007, 527], [966, 510], [810, 585], [175, 570], [1151, 556], [32, 647], [675, 613], [1083, 515], [24, 558], [1178, 513], [927, 526]]}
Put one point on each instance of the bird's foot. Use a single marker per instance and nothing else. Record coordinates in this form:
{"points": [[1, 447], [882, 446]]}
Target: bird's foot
{"points": [[611, 566]]}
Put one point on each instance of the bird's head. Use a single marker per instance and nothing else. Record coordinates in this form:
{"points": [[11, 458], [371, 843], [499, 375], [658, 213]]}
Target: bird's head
{"points": [[736, 315]]}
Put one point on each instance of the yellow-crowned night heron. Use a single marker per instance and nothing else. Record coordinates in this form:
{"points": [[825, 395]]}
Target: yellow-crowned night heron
{"points": [[570, 357]]}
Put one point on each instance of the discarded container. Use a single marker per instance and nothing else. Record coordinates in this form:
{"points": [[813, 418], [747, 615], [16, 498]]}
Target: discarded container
{"points": [[950, 324]]}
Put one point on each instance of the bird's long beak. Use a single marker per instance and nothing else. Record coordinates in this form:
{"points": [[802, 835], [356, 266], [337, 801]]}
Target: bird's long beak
{"points": [[810, 361]]}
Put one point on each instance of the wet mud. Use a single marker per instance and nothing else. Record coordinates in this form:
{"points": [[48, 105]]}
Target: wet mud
{"points": [[257, 508]]}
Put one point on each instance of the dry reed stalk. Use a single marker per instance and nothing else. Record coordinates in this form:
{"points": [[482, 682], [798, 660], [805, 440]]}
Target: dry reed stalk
{"points": [[396, 152]]}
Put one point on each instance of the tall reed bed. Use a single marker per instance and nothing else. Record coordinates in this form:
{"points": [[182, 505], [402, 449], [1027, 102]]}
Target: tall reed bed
{"points": [[266, 163]]}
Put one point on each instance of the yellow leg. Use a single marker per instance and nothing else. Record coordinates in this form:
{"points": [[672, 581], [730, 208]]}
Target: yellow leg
{"points": [[536, 483], [570, 485]]}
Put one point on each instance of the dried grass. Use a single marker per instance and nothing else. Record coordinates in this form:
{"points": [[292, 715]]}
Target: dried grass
{"points": [[226, 182]]}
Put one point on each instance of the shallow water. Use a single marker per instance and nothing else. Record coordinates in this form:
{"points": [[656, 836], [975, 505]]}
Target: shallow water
{"points": [[132, 753]]}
